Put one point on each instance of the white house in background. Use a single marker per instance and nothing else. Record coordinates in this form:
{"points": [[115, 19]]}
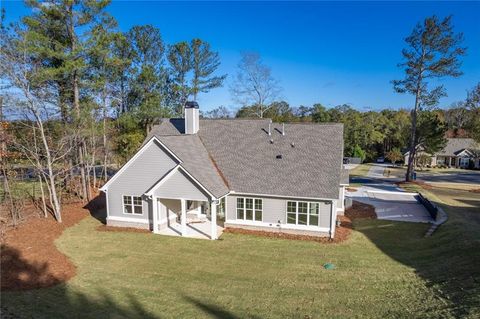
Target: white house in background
{"points": [[458, 152], [193, 175]]}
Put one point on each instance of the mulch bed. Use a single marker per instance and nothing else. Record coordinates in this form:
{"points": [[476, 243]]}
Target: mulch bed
{"points": [[351, 189], [106, 228], [356, 211], [475, 190], [29, 257]]}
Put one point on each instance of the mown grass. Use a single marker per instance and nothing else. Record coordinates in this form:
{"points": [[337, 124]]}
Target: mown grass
{"points": [[360, 170], [386, 270]]}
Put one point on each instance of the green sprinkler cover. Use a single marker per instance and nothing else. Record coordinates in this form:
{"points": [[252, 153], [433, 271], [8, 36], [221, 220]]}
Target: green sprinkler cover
{"points": [[329, 266]]}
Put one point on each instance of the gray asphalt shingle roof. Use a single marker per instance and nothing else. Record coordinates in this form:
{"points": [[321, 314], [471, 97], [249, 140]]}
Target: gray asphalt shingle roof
{"points": [[456, 145], [196, 161], [344, 177], [243, 156]]}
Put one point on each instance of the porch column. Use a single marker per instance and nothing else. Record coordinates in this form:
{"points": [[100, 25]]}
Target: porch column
{"points": [[449, 161], [155, 214], [213, 217], [333, 218], [183, 217]]}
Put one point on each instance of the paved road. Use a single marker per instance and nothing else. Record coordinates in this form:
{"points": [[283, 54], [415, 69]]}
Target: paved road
{"points": [[469, 177]]}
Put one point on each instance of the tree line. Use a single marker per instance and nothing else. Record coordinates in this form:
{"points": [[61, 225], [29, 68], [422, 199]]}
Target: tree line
{"points": [[77, 92], [78, 95]]}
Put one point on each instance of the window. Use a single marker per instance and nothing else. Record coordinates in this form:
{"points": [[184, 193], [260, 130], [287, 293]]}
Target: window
{"points": [[132, 205], [303, 213], [221, 207], [249, 209], [240, 208], [464, 161]]}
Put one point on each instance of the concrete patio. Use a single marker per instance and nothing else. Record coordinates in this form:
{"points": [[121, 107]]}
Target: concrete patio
{"points": [[199, 230], [391, 203]]}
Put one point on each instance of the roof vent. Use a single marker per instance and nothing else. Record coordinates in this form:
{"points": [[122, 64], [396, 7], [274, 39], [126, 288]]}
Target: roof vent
{"points": [[283, 128], [292, 144], [279, 156], [270, 128], [271, 141]]}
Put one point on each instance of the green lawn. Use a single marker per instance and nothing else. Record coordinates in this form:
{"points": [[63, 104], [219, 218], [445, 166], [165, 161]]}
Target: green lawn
{"points": [[361, 170], [386, 270]]}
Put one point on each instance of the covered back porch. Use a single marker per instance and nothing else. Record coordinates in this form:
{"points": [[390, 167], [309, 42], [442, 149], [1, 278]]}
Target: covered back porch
{"points": [[186, 218], [181, 206]]}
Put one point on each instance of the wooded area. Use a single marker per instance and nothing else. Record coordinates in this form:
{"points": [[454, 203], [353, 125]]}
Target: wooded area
{"points": [[79, 96]]}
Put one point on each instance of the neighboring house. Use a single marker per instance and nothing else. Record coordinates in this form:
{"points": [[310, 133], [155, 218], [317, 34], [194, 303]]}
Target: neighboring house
{"points": [[459, 152], [252, 174]]}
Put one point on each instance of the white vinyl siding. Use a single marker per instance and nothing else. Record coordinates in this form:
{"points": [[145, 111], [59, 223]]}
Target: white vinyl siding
{"points": [[132, 205], [249, 209], [302, 213]]}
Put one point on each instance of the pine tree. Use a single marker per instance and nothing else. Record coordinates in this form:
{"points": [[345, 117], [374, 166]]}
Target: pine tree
{"points": [[204, 63], [433, 51]]}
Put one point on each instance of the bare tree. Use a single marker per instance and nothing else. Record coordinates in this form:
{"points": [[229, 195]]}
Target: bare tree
{"points": [[35, 104], [254, 84], [220, 112]]}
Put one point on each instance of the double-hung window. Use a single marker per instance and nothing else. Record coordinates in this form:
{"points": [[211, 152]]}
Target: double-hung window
{"points": [[303, 213], [132, 205], [249, 209]]}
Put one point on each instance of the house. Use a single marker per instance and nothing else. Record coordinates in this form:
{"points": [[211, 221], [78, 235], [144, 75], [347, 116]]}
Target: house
{"points": [[250, 174], [459, 152]]}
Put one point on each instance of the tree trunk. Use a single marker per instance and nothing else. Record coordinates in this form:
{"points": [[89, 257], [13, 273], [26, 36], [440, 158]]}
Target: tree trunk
{"points": [[413, 136], [105, 150], [51, 178], [44, 204]]}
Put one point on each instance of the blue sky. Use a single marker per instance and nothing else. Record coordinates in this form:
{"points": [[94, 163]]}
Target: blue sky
{"points": [[327, 52]]}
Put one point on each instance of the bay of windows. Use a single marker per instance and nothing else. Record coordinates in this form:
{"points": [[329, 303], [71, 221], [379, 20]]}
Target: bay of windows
{"points": [[303, 213], [249, 208]]}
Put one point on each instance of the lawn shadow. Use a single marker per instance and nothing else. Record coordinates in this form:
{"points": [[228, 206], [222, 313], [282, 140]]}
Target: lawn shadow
{"points": [[448, 261], [57, 301], [97, 208], [213, 310], [19, 274]]}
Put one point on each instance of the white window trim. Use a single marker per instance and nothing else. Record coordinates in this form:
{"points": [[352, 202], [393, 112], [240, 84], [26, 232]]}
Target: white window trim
{"points": [[219, 210], [245, 209], [133, 206], [296, 213]]}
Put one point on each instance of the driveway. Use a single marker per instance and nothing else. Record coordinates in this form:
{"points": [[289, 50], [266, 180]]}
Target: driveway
{"points": [[391, 203]]}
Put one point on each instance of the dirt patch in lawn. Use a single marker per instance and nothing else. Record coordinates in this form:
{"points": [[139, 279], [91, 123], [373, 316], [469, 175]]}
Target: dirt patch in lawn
{"points": [[106, 228], [360, 210], [29, 257], [356, 211]]}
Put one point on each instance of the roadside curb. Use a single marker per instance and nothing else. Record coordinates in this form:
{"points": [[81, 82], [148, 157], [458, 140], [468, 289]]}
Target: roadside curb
{"points": [[442, 217]]}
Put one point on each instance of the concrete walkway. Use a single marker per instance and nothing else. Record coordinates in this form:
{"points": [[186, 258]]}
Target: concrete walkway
{"points": [[391, 202], [376, 171], [201, 230]]}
